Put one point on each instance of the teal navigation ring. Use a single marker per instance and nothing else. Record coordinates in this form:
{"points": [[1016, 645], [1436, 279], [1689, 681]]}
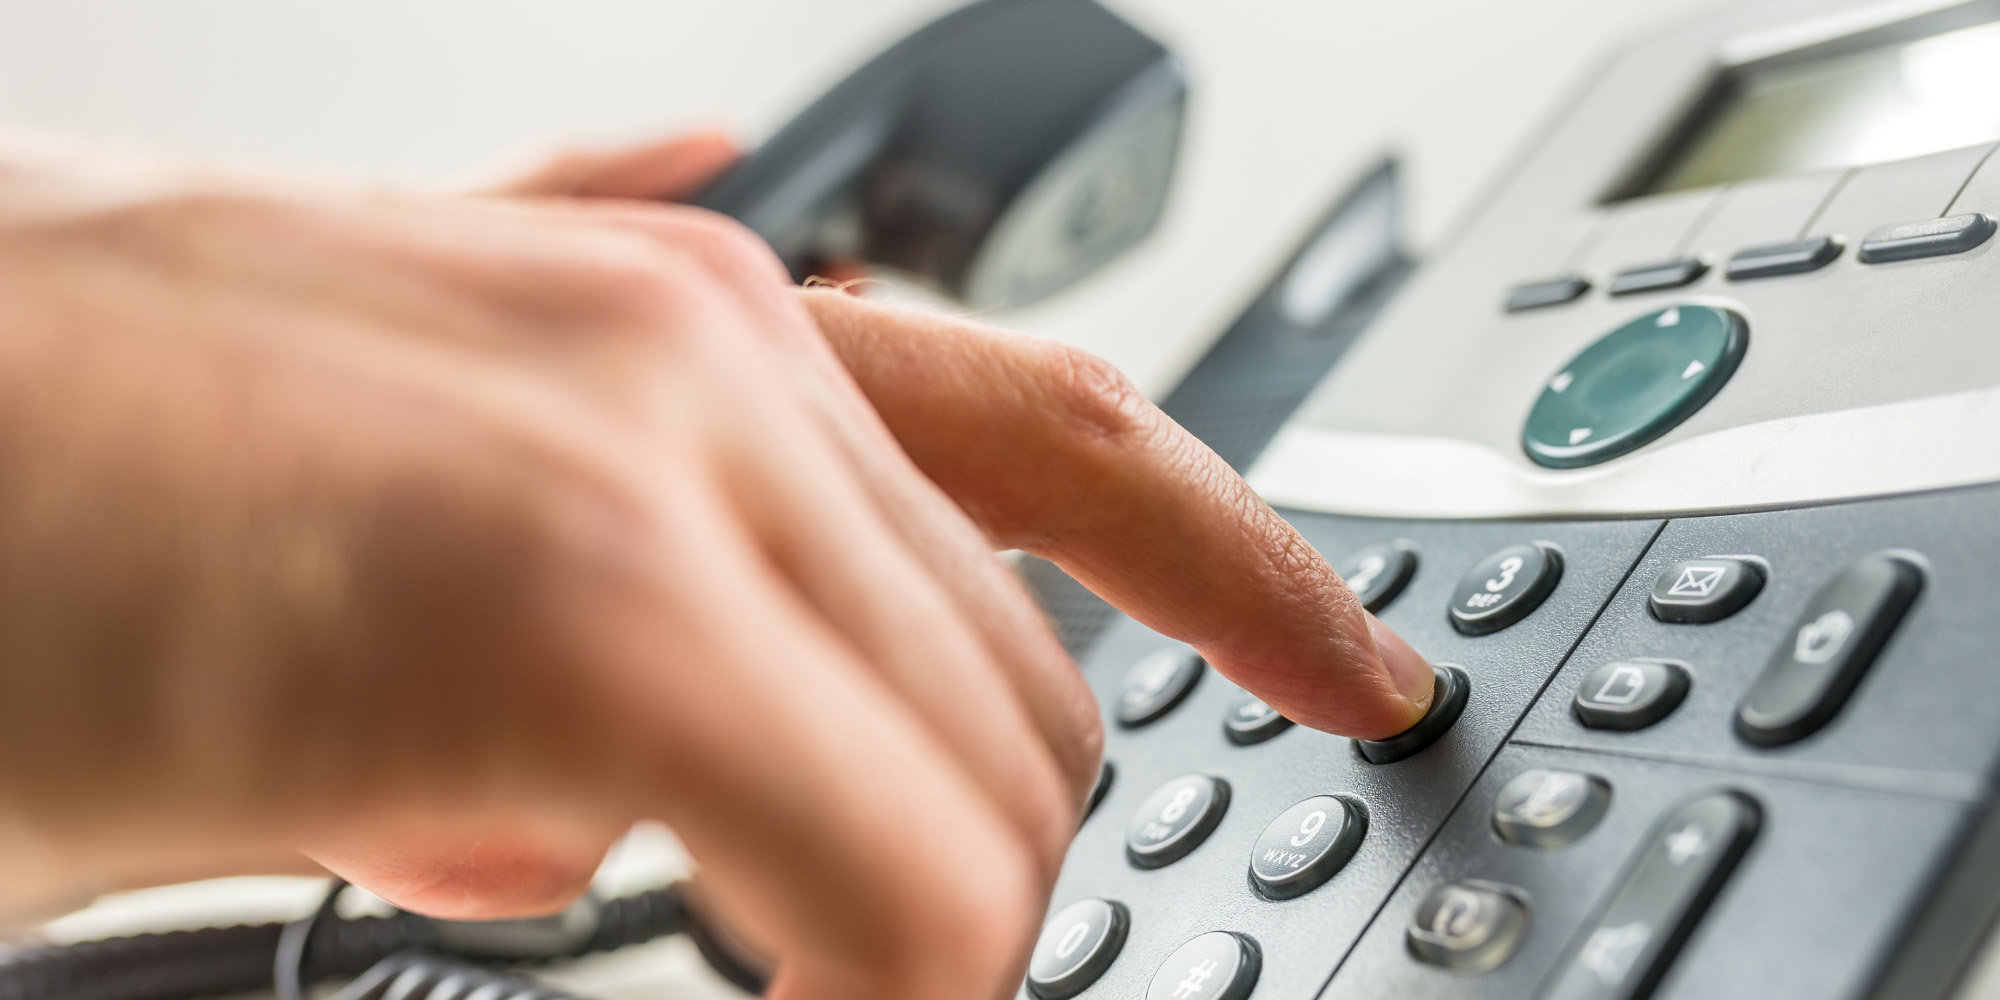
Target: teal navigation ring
{"points": [[1633, 385]]}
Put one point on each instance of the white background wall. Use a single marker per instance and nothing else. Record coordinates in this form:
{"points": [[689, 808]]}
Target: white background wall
{"points": [[1293, 98]]}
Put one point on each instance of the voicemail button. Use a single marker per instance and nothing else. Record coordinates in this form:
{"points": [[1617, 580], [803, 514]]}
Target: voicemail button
{"points": [[1826, 653], [1695, 591], [1630, 694]]}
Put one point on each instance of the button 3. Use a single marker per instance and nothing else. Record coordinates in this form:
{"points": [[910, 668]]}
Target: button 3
{"points": [[1504, 587]]}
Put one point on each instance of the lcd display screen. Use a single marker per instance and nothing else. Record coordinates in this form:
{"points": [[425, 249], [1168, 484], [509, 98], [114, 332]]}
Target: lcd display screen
{"points": [[1870, 106]]}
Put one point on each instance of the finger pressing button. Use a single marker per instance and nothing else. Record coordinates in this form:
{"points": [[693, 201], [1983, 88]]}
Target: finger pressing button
{"points": [[1448, 700]]}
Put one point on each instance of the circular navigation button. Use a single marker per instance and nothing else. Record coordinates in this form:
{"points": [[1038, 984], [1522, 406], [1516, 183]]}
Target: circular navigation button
{"points": [[1156, 684], [1467, 926], [1378, 573], [1252, 721], [1215, 966], [1630, 694], [1549, 808], [1633, 385], [1175, 819], [1306, 845], [1076, 946], [1504, 587]]}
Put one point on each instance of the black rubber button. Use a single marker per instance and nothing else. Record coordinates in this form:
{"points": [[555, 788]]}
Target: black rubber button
{"points": [[1215, 966], [1158, 683], [1653, 277], [1682, 866], [1252, 721], [1468, 926], [1306, 845], [1447, 704], [1796, 257], [1378, 573], [1825, 655], [1106, 773], [1926, 238], [1175, 819], [1697, 591], [1504, 587], [1634, 384], [1549, 808], [1540, 294], [1630, 694], [1076, 946]]}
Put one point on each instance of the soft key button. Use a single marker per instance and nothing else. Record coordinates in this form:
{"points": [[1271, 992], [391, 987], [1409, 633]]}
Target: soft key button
{"points": [[1926, 238], [1774, 259], [1076, 946], [1823, 657], [1540, 294], [1681, 867]]}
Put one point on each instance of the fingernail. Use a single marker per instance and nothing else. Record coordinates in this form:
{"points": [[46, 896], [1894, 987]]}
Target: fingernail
{"points": [[1413, 677]]}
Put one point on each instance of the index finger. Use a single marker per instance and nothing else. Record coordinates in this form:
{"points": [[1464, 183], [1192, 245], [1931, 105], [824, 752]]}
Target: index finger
{"points": [[1053, 451]]}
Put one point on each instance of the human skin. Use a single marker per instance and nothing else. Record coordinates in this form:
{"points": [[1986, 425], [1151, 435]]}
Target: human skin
{"points": [[443, 537]]}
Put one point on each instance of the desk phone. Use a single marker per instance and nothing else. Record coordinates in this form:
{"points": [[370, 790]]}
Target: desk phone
{"points": [[1678, 459]]}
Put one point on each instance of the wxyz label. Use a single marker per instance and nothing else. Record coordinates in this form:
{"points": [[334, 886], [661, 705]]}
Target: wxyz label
{"points": [[1286, 858]]}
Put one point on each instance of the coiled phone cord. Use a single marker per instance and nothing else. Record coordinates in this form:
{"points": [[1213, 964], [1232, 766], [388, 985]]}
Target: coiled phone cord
{"points": [[217, 961]]}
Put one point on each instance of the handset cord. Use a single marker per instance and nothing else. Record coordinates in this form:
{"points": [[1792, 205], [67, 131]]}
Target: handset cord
{"points": [[422, 954]]}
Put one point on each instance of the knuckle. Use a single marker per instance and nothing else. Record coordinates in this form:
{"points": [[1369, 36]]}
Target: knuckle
{"points": [[725, 247], [1091, 394]]}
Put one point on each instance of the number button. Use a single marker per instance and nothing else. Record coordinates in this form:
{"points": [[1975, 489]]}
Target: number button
{"points": [[1505, 587], [1378, 573], [1077, 945], [1156, 684], [1252, 721], [1306, 845], [1215, 966], [1175, 819]]}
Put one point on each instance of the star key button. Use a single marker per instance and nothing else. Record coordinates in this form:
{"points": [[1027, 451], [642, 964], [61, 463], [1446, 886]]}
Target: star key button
{"points": [[1218, 965], [1698, 591]]}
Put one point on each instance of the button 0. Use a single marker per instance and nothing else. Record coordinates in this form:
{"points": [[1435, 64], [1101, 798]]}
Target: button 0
{"points": [[1449, 693], [1549, 809], [1634, 384], [1306, 845], [1467, 926], [1175, 819], [1698, 591], [1215, 966], [1682, 866], [1076, 946], [1378, 573], [1504, 587], [1630, 694], [1827, 652], [1156, 684], [1252, 721]]}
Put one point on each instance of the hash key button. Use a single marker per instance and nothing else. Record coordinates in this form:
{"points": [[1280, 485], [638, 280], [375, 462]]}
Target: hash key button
{"points": [[1697, 591], [1215, 966], [1630, 694], [1306, 845], [1504, 587], [1823, 657]]}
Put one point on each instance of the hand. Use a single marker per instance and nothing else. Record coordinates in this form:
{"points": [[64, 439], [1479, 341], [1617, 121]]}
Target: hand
{"points": [[447, 537]]}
